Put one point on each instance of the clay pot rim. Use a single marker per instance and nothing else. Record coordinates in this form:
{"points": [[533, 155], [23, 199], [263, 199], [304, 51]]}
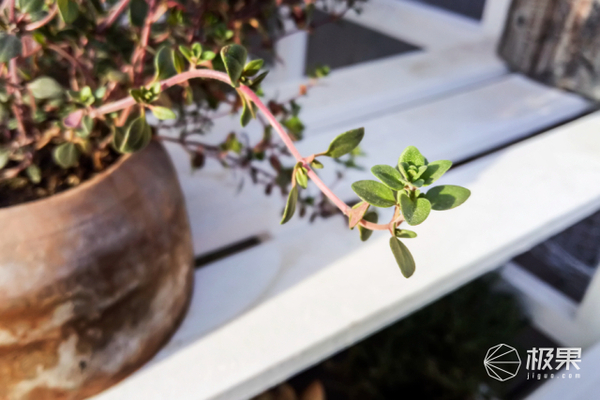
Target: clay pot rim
{"points": [[95, 180]]}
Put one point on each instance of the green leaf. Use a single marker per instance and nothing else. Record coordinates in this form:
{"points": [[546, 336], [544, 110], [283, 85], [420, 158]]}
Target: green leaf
{"points": [[419, 171], [253, 67], [163, 63], [163, 113], [435, 170], [246, 116], [138, 95], [144, 95], [255, 84], [295, 126], [390, 176], [365, 233], [403, 168], [415, 211], [301, 176], [418, 182], [69, 11], [45, 87], [100, 92], [345, 143], [138, 10], [87, 96], [411, 155], [4, 157], [30, 6], [320, 71], [34, 173], [290, 206], [66, 155], [405, 234], [197, 51], [404, 259], [208, 55], [374, 193], [187, 53], [10, 47], [232, 144], [316, 164], [446, 197], [234, 57], [135, 138], [178, 62], [87, 125]]}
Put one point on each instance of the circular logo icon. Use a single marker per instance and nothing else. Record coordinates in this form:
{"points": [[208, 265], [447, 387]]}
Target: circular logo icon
{"points": [[502, 362]]}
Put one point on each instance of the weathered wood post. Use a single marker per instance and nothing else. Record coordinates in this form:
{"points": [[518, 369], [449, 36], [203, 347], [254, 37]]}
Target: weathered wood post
{"points": [[556, 42]]}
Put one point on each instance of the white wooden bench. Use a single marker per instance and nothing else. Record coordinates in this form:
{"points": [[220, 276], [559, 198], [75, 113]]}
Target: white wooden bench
{"points": [[308, 291]]}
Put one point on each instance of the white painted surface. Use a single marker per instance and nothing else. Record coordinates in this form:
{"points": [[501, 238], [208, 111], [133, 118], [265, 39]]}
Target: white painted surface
{"points": [[494, 17], [332, 291], [549, 310], [588, 314], [367, 89], [291, 56], [559, 317], [417, 23]]}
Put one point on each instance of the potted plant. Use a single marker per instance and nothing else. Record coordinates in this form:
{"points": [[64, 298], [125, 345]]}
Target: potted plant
{"points": [[95, 250]]}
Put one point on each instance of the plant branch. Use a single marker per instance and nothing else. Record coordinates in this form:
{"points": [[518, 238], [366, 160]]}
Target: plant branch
{"points": [[140, 52], [11, 10], [16, 107], [287, 140], [74, 63], [38, 24], [114, 14]]}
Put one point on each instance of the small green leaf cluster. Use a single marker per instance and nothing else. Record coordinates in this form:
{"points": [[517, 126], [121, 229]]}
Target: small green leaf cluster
{"points": [[84, 97], [340, 146], [320, 71], [234, 59], [401, 187], [194, 54]]}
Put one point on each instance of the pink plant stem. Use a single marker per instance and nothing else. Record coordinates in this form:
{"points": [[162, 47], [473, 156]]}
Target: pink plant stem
{"points": [[223, 77], [38, 24], [14, 79], [114, 14], [11, 10]]}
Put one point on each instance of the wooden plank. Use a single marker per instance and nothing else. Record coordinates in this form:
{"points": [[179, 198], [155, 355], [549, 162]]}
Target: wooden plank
{"points": [[556, 42], [324, 299], [454, 127]]}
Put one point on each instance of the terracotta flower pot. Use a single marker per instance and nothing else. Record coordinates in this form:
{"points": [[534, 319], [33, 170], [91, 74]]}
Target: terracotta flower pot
{"points": [[93, 281]]}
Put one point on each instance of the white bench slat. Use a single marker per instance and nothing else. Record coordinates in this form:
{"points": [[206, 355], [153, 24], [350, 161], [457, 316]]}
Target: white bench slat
{"points": [[306, 316], [391, 83], [405, 20], [454, 127]]}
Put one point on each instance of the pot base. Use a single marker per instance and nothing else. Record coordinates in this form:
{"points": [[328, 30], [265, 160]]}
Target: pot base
{"points": [[93, 281]]}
